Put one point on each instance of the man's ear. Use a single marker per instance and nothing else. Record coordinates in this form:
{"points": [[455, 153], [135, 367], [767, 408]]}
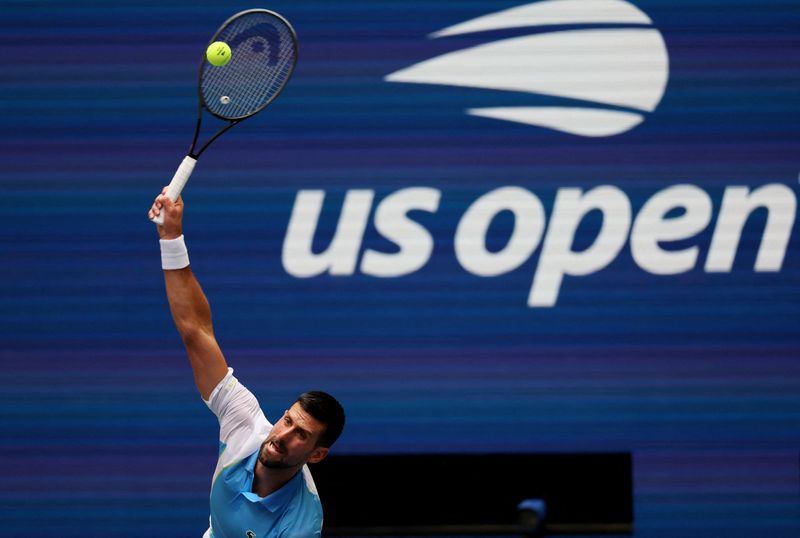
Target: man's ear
{"points": [[318, 454]]}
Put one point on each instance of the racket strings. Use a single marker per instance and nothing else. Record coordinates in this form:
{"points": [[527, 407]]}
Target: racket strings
{"points": [[263, 52]]}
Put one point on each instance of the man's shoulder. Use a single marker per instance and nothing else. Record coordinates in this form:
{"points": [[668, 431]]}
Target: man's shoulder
{"points": [[307, 497], [308, 480], [303, 517]]}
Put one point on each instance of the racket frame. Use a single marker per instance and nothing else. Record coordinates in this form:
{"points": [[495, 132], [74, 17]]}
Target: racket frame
{"points": [[187, 165], [201, 102]]}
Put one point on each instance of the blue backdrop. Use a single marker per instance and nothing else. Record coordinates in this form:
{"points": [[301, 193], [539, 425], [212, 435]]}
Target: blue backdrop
{"points": [[690, 364]]}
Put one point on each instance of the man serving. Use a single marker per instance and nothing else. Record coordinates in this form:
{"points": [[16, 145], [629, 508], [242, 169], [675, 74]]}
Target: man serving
{"points": [[261, 487]]}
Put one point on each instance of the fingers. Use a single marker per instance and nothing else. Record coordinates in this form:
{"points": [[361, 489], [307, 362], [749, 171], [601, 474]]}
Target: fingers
{"points": [[155, 209], [160, 202]]}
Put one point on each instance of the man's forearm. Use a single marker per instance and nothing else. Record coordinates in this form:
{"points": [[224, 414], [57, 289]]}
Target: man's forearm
{"points": [[189, 306], [192, 315]]}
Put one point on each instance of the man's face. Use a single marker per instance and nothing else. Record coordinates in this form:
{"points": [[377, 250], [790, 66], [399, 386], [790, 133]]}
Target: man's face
{"points": [[293, 441]]}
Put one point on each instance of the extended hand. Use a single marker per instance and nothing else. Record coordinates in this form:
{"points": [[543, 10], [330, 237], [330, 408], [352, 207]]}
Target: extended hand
{"points": [[173, 215]]}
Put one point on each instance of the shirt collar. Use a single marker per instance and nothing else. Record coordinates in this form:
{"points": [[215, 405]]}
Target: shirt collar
{"points": [[275, 500]]}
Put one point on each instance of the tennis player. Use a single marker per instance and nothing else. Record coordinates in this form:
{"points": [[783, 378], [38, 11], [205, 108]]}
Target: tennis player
{"points": [[261, 487]]}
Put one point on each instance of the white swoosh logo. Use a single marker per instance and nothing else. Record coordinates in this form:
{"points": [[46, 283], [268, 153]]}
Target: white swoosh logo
{"points": [[622, 67]]}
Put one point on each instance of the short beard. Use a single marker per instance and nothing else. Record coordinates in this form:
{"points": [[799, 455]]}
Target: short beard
{"points": [[270, 464], [275, 464]]}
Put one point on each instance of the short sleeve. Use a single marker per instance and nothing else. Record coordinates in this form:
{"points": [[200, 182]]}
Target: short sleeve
{"points": [[237, 410]]}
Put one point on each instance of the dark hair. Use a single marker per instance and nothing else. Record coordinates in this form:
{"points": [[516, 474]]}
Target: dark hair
{"points": [[326, 409]]}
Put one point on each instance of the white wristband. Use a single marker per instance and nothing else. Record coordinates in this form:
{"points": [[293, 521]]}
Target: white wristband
{"points": [[174, 254]]}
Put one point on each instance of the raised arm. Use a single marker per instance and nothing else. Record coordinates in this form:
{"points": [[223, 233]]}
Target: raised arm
{"points": [[189, 306]]}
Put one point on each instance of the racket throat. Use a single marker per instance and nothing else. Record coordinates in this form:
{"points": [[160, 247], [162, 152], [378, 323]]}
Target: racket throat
{"points": [[191, 152], [196, 154]]}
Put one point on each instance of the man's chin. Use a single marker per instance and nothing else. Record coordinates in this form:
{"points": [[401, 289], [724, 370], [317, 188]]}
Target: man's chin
{"points": [[272, 464], [268, 461]]}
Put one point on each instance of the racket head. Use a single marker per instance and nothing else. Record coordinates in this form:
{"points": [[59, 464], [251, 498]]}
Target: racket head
{"points": [[263, 57]]}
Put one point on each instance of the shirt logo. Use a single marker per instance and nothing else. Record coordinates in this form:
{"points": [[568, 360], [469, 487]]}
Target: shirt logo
{"points": [[602, 60], [250, 534]]}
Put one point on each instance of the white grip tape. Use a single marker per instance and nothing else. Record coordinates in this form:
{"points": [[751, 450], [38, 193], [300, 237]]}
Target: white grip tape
{"points": [[181, 177], [178, 182]]}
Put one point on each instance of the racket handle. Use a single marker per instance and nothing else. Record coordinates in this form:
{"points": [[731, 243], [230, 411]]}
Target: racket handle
{"points": [[178, 182]]}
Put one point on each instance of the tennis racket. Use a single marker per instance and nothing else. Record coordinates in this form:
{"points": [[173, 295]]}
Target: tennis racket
{"points": [[263, 56]]}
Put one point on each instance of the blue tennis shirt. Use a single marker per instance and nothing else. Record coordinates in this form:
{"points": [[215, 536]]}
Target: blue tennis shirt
{"points": [[294, 511]]}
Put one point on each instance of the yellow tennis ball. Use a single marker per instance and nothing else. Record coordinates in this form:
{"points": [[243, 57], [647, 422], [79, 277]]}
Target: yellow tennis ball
{"points": [[218, 53]]}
